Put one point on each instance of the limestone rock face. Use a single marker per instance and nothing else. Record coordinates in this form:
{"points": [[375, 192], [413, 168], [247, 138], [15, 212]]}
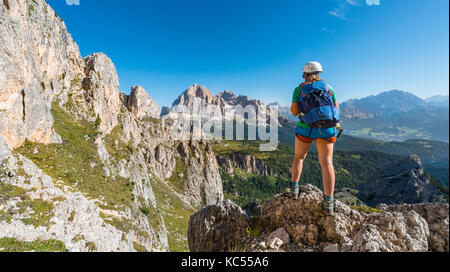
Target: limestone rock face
{"points": [[101, 86], [436, 215], [392, 232], [141, 104], [217, 228], [38, 57], [202, 181], [246, 162], [399, 182], [396, 229]]}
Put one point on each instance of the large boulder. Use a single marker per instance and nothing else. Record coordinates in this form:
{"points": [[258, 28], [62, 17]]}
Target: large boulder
{"points": [[217, 228]]}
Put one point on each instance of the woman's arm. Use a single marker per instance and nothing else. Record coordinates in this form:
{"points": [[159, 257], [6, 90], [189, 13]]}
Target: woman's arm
{"points": [[295, 96], [336, 104], [294, 109]]}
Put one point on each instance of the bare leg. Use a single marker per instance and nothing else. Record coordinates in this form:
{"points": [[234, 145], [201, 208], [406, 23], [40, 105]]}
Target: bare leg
{"points": [[301, 151], [325, 151]]}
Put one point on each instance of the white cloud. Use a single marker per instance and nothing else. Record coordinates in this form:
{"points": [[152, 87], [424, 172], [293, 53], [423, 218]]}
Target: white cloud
{"points": [[352, 2], [338, 13], [343, 7]]}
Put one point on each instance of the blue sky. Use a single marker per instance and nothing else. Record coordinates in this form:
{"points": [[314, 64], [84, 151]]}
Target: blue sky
{"points": [[258, 47]]}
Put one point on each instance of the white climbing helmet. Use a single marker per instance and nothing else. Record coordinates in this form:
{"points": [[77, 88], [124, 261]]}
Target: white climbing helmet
{"points": [[312, 67]]}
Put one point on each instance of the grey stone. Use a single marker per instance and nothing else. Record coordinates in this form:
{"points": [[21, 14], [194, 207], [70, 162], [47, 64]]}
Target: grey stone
{"points": [[217, 228]]}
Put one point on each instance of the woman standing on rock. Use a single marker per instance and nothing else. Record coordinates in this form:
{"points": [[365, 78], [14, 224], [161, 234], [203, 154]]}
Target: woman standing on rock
{"points": [[315, 103]]}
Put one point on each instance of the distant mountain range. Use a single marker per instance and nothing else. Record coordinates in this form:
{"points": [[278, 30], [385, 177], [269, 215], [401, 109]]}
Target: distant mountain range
{"points": [[197, 98], [395, 116], [222, 100]]}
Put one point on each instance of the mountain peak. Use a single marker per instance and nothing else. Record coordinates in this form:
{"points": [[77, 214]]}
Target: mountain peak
{"points": [[195, 91], [198, 90]]}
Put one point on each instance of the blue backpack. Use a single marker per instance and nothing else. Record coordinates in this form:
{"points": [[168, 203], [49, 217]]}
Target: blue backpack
{"points": [[316, 106]]}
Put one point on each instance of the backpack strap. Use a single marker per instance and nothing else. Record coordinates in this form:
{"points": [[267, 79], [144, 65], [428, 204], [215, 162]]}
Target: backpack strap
{"points": [[301, 89]]}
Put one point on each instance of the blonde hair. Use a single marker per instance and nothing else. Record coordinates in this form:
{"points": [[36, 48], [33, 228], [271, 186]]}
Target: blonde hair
{"points": [[310, 78]]}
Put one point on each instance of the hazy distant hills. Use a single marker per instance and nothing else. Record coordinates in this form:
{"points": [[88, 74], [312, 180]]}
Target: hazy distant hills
{"points": [[397, 116], [438, 101], [383, 104]]}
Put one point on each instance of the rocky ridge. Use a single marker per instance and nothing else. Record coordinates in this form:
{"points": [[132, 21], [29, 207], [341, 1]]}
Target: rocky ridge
{"points": [[248, 163], [285, 224]]}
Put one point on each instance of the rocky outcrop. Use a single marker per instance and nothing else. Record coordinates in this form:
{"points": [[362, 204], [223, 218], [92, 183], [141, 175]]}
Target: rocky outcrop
{"points": [[309, 229], [141, 104], [436, 215], [399, 182], [101, 90], [217, 228], [201, 180], [248, 163]]}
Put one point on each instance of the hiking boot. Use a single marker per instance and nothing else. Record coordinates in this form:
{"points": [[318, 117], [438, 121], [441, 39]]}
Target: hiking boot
{"points": [[294, 190], [328, 205]]}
